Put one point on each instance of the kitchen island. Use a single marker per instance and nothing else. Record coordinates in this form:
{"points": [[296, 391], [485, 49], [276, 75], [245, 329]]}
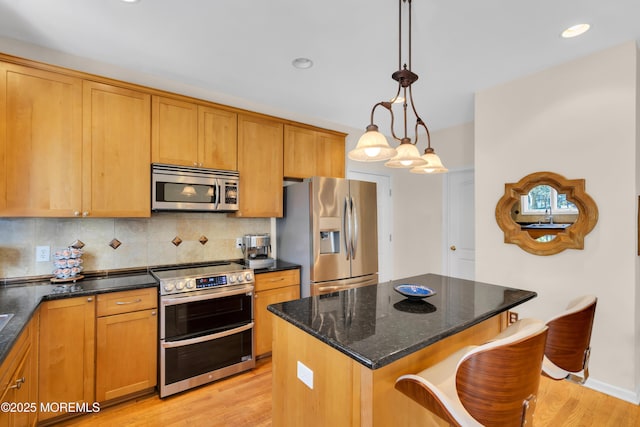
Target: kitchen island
{"points": [[336, 357]]}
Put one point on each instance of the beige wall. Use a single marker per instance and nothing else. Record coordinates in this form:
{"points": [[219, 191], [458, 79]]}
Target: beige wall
{"points": [[578, 119], [417, 200], [145, 242]]}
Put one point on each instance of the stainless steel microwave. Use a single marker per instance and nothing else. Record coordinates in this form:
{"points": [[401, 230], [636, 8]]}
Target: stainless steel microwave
{"points": [[182, 188]]}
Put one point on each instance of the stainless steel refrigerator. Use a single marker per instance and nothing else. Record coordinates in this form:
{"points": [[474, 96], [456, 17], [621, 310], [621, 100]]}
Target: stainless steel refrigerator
{"points": [[329, 227]]}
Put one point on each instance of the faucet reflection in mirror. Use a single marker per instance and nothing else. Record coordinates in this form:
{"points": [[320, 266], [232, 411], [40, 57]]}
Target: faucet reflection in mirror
{"points": [[373, 145]]}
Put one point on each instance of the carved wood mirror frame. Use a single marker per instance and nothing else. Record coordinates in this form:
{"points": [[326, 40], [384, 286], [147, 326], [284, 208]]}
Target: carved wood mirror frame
{"points": [[571, 238]]}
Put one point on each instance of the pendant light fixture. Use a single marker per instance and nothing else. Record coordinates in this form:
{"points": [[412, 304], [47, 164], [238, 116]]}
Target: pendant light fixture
{"points": [[373, 145]]}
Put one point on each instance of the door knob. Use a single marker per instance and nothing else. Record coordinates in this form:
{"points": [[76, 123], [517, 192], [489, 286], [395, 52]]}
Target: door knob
{"points": [[453, 247]]}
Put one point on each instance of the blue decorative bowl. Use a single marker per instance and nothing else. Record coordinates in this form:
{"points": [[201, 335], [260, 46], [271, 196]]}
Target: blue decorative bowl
{"points": [[414, 292]]}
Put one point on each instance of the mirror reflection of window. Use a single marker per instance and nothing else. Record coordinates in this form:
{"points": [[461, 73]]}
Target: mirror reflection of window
{"points": [[543, 199]]}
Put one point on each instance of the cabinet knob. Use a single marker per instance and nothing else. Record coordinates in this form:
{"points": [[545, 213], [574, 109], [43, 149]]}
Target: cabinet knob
{"points": [[153, 313], [85, 213], [89, 299], [76, 213]]}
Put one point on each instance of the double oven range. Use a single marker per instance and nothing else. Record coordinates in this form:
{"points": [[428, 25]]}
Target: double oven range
{"points": [[206, 324]]}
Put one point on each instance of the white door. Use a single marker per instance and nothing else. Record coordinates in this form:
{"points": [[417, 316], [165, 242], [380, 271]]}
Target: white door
{"points": [[385, 222], [459, 217]]}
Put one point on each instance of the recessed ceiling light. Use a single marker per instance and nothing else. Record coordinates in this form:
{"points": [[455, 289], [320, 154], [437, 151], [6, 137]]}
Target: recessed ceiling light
{"points": [[575, 30], [302, 63], [131, 1]]}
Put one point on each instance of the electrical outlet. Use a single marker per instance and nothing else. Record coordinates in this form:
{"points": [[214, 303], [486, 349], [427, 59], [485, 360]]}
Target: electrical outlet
{"points": [[513, 317], [43, 254], [239, 242], [305, 375]]}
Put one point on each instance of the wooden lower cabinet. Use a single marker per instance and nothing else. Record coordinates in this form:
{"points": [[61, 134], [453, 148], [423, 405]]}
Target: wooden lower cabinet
{"points": [[67, 343], [19, 380], [271, 288], [126, 343]]}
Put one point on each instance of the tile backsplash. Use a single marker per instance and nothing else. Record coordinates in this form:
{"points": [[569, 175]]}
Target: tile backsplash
{"points": [[143, 242]]}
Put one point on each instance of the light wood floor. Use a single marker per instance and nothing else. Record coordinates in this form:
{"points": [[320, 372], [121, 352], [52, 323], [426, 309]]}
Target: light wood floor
{"points": [[245, 400]]}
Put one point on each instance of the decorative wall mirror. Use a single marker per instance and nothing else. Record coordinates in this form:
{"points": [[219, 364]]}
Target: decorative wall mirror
{"points": [[544, 213]]}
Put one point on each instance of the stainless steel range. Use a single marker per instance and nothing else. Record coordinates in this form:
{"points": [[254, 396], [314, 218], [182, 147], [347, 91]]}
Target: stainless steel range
{"points": [[206, 324]]}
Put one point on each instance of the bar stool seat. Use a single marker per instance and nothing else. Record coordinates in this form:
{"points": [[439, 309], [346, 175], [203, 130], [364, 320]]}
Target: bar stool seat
{"points": [[568, 346], [493, 384]]}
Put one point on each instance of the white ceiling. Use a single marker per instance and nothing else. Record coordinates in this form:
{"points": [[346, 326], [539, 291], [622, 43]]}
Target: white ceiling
{"points": [[244, 48]]}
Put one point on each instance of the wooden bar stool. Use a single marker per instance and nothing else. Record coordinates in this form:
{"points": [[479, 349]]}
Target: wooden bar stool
{"points": [[494, 384], [567, 351]]}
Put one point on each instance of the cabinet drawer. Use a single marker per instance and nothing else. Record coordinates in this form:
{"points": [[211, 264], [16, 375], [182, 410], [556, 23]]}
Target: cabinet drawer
{"points": [[127, 301], [277, 279]]}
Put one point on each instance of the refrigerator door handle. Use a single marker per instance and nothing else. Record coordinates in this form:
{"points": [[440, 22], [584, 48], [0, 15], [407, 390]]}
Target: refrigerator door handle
{"points": [[346, 225], [354, 236]]}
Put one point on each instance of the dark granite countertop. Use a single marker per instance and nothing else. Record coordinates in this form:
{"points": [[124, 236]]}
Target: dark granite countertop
{"points": [[375, 325], [279, 265], [23, 300]]}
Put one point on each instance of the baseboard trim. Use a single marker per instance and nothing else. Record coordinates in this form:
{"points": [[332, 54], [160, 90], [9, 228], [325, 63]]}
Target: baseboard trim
{"points": [[617, 392]]}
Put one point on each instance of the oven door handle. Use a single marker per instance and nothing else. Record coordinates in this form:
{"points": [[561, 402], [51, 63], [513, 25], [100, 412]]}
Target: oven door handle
{"points": [[213, 295], [205, 338]]}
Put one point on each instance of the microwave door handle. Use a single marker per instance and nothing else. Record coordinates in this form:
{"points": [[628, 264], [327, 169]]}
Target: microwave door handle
{"points": [[217, 193]]}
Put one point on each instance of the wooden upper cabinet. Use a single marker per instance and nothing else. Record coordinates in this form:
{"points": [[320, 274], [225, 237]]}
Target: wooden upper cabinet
{"points": [[189, 134], [117, 152], [217, 138], [299, 152], [330, 155], [309, 152], [260, 163], [174, 132], [40, 142]]}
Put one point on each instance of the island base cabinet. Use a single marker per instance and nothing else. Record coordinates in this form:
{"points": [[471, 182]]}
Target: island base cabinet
{"points": [[346, 393]]}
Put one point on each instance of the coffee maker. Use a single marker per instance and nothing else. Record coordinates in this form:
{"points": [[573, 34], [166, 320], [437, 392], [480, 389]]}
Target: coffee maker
{"points": [[256, 249]]}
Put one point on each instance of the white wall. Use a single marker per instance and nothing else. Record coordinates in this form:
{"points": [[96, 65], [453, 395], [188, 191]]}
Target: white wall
{"points": [[578, 119], [417, 200]]}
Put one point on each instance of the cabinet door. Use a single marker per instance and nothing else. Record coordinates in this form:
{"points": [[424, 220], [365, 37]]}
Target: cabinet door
{"points": [[330, 155], [117, 152], [67, 332], [299, 152], [40, 142], [260, 162], [174, 132], [262, 317], [217, 138], [126, 354], [18, 378]]}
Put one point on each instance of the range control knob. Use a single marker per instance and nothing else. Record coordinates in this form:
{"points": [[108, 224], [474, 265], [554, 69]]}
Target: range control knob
{"points": [[248, 276], [168, 286], [232, 278], [180, 285], [240, 278], [191, 284]]}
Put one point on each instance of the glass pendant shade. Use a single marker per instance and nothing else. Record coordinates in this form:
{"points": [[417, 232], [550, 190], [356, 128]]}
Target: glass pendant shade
{"points": [[408, 156], [372, 147], [433, 165]]}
